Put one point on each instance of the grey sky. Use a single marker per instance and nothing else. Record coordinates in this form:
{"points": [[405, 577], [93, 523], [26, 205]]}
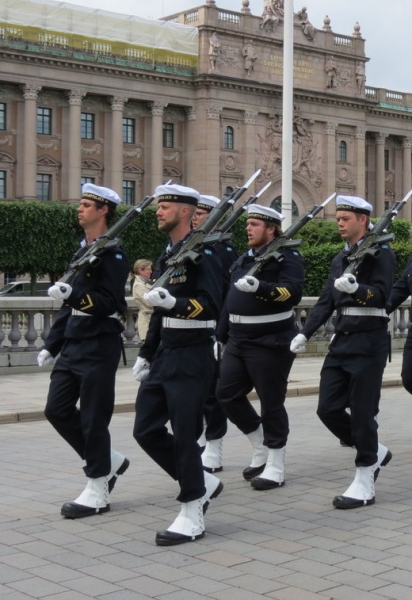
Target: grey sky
{"points": [[384, 25]]}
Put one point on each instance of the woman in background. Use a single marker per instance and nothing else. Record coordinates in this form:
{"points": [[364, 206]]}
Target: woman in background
{"points": [[142, 270]]}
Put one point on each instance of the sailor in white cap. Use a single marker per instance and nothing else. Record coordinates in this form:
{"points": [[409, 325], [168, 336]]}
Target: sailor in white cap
{"points": [[87, 334], [352, 372], [215, 418], [257, 325], [177, 367]]}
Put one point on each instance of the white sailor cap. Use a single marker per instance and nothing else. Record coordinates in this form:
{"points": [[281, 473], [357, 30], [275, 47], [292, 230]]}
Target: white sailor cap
{"points": [[177, 193], [100, 194], [265, 213], [353, 204], [208, 202]]}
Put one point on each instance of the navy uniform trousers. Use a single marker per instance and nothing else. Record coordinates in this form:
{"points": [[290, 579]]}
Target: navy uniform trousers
{"points": [[247, 365], [351, 376], [86, 369], [176, 388]]}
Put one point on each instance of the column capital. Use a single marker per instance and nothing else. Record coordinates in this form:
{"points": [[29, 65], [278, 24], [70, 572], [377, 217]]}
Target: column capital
{"points": [[407, 143], [157, 108], [30, 91], [380, 138], [330, 128], [117, 102], [191, 113], [75, 97], [213, 112], [249, 117], [360, 133]]}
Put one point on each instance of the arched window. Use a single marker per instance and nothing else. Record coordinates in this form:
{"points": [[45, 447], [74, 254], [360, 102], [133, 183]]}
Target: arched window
{"points": [[277, 205], [229, 138], [343, 152], [228, 191]]}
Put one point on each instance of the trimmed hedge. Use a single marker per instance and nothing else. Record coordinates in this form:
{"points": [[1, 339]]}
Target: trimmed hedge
{"points": [[39, 238]]}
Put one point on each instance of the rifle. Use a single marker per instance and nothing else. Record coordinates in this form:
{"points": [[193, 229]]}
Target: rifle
{"points": [[93, 253], [274, 249], [189, 249], [369, 246], [219, 231]]}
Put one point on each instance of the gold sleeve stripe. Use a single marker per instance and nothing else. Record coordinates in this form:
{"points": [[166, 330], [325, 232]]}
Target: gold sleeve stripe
{"points": [[87, 299], [284, 294], [198, 308]]}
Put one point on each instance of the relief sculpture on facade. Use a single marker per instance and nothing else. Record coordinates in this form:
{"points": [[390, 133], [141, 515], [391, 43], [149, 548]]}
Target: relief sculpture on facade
{"points": [[306, 158]]}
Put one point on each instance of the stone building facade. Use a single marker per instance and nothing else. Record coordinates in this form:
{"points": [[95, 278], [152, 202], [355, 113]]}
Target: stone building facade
{"points": [[67, 117]]}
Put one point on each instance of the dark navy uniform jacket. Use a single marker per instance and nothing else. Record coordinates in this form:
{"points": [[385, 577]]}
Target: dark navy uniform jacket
{"points": [[374, 275], [198, 290], [98, 291], [280, 290], [401, 289]]}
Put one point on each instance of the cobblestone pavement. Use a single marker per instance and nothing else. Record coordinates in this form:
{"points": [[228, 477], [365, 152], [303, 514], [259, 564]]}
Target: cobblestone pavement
{"points": [[286, 544]]}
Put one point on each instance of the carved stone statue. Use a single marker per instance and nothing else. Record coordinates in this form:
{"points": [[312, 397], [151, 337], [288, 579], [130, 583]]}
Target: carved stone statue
{"points": [[308, 29], [331, 73], [360, 77], [273, 14], [214, 50], [250, 56]]}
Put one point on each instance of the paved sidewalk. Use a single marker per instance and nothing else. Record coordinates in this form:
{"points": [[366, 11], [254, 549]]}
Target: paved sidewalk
{"points": [[285, 544], [22, 397]]}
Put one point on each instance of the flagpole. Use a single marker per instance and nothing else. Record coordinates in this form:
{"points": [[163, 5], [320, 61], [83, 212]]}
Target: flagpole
{"points": [[287, 118]]}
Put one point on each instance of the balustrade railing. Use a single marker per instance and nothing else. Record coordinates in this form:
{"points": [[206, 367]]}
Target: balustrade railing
{"points": [[25, 322]]}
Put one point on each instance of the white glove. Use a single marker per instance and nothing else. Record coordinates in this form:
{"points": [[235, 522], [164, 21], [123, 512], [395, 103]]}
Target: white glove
{"points": [[347, 283], [247, 284], [160, 297], [218, 350], [141, 369], [60, 291], [44, 358], [298, 344]]}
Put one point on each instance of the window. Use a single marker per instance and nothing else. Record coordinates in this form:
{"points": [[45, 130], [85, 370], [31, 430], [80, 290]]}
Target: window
{"points": [[277, 205], [2, 184], [228, 191], [129, 131], [43, 187], [84, 180], [44, 116], [87, 126], [229, 139], [343, 152], [129, 192], [386, 159], [168, 135], [2, 115]]}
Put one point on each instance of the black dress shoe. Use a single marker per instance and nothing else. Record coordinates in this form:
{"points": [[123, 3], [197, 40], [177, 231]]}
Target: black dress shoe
{"points": [[123, 467], [260, 483], [385, 461], [170, 538], [213, 469], [71, 510], [251, 472], [214, 495], [344, 502]]}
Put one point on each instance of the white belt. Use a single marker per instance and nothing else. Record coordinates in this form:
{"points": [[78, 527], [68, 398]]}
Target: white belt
{"points": [[169, 323], [363, 311], [79, 313], [250, 320]]}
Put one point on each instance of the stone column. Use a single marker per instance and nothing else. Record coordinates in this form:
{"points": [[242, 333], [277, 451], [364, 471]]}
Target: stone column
{"points": [[360, 173], [30, 93], [249, 143], [74, 148], [213, 140], [380, 174], [116, 144], [330, 168], [157, 109], [406, 176], [190, 146]]}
